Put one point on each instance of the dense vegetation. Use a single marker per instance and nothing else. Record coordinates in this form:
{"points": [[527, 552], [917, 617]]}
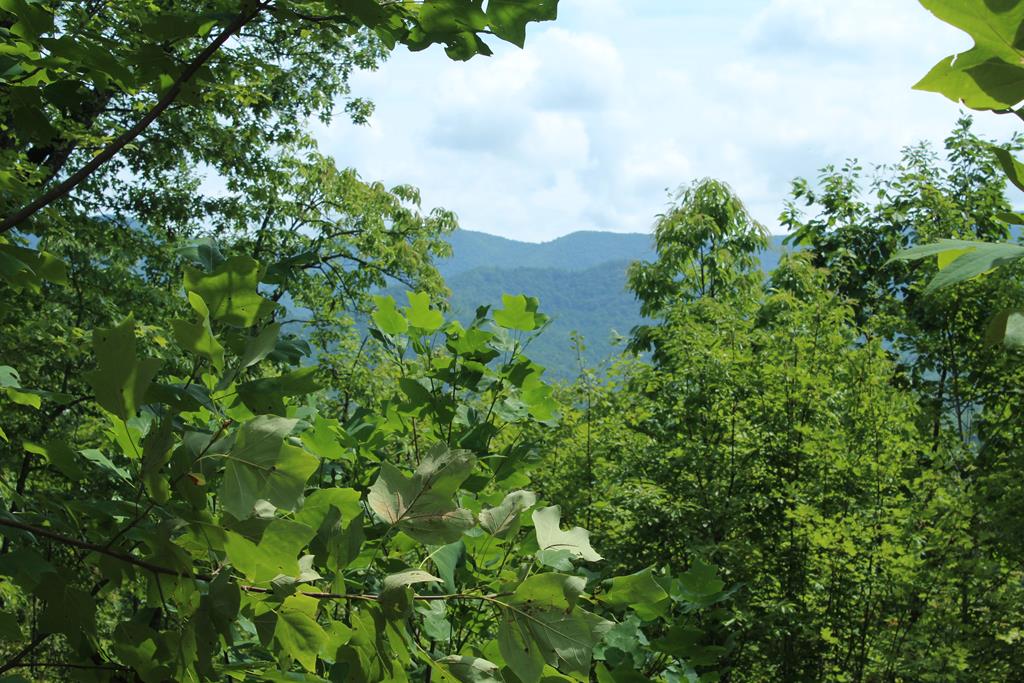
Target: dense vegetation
{"points": [[809, 475]]}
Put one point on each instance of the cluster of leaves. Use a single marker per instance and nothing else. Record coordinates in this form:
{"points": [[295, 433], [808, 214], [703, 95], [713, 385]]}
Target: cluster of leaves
{"points": [[988, 77], [241, 532], [119, 116], [836, 439], [198, 515]]}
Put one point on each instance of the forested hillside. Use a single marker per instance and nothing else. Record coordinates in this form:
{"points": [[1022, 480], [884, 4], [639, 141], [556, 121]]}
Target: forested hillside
{"points": [[580, 278], [233, 449], [575, 251]]}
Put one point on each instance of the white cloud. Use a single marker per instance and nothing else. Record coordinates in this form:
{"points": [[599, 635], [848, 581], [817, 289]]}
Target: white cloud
{"points": [[616, 101]]}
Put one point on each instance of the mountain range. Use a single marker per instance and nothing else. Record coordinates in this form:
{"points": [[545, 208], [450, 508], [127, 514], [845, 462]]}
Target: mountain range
{"points": [[580, 280]]}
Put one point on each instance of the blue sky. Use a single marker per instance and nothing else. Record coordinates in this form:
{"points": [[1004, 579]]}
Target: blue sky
{"points": [[620, 100]]}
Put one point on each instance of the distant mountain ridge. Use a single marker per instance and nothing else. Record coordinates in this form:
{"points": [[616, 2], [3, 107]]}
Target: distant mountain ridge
{"points": [[580, 280], [575, 251]]}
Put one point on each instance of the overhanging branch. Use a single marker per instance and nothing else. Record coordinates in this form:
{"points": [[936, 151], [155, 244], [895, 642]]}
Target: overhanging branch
{"points": [[108, 152]]}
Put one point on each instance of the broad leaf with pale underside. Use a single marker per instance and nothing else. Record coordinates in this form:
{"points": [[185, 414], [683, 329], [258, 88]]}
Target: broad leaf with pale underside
{"points": [[542, 624], [551, 537], [499, 521], [961, 260], [422, 505]]}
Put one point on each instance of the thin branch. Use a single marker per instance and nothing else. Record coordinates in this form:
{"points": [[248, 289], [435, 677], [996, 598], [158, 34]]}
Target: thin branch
{"points": [[103, 550], [158, 569], [369, 597], [69, 665], [15, 661], [76, 178]]}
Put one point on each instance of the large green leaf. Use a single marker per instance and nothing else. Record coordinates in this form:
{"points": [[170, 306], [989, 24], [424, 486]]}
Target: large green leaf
{"points": [[517, 314], [337, 516], [501, 520], [699, 586], [267, 394], [276, 553], [641, 592], [121, 378], [1007, 328], [971, 259], [27, 268], [508, 18], [297, 631], [1013, 169], [420, 314], [422, 505], [387, 317], [541, 623], [471, 669], [262, 465], [396, 596], [230, 291], [551, 537], [990, 75], [198, 337]]}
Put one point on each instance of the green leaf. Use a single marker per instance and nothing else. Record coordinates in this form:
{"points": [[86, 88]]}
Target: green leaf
{"points": [[396, 596], [198, 338], [516, 314], [27, 268], [276, 553], [156, 452], [10, 627], [641, 592], [387, 317], [97, 457], [266, 395], [471, 669], [419, 313], [409, 577], [9, 377], [971, 259], [203, 252], [297, 631], [684, 642], [508, 18], [1007, 328], [1013, 169], [121, 378], [230, 291], [501, 520], [337, 516], [23, 398], [422, 505], [260, 346], [699, 586], [541, 624], [550, 536], [60, 456], [619, 675], [989, 75], [262, 465], [446, 559]]}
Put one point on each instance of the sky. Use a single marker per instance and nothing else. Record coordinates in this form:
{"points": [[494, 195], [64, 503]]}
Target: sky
{"points": [[619, 101]]}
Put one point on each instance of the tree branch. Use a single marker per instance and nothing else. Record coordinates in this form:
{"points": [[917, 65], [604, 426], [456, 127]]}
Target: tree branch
{"points": [[97, 548], [76, 178]]}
